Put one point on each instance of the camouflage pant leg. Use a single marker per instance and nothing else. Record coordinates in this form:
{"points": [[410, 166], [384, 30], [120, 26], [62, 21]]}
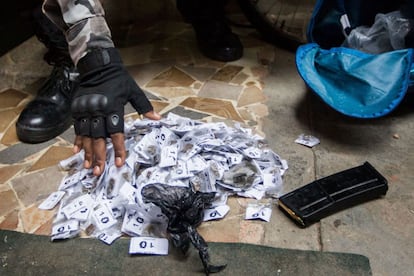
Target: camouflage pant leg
{"points": [[83, 22]]}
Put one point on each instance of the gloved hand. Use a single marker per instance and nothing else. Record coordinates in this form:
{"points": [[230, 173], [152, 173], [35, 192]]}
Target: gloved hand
{"points": [[98, 106]]}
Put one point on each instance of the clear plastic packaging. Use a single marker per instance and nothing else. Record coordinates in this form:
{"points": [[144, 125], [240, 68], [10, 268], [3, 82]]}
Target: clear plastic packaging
{"points": [[386, 34]]}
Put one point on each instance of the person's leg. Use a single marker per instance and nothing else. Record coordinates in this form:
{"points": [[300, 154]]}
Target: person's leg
{"points": [[214, 37], [48, 115]]}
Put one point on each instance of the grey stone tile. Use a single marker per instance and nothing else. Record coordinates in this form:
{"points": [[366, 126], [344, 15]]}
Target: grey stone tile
{"points": [[151, 96], [69, 135], [33, 187], [200, 73], [227, 73], [8, 202], [282, 232], [24, 64], [143, 73], [172, 77], [19, 152], [11, 98], [129, 109], [188, 113], [220, 90]]}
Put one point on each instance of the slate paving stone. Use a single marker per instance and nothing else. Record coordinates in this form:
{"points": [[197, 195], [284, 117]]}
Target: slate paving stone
{"points": [[227, 73], [19, 152], [11, 98], [8, 201], [217, 107], [200, 73], [171, 78], [69, 134], [34, 187], [251, 95], [51, 157], [170, 93], [181, 111], [7, 172], [220, 90], [8, 117]]}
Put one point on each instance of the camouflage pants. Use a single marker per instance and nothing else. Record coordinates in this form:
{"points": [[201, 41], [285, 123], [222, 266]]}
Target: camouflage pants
{"points": [[83, 23]]}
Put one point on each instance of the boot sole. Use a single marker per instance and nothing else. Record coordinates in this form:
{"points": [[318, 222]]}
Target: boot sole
{"points": [[39, 135], [224, 56]]}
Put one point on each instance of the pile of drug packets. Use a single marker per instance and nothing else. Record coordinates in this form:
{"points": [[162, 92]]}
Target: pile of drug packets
{"points": [[178, 151]]}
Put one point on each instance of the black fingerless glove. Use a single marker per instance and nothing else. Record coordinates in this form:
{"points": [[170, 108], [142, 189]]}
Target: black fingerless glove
{"points": [[105, 88]]}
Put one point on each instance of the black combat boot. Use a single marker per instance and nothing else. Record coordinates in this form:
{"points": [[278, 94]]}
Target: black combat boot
{"points": [[48, 115], [214, 37]]}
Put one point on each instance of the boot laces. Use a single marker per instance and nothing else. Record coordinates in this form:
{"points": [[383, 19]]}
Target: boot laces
{"points": [[61, 78]]}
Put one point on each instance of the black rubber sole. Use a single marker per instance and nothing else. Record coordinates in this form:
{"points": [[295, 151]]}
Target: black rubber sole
{"points": [[39, 135], [225, 55]]}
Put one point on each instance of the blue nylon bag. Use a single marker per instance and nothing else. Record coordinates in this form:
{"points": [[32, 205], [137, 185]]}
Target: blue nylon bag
{"points": [[351, 81]]}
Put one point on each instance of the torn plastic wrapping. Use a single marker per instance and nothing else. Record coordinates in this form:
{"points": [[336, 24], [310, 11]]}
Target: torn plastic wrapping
{"points": [[388, 33], [184, 209], [201, 164]]}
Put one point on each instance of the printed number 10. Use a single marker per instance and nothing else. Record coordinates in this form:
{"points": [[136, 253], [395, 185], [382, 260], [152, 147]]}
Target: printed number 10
{"points": [[144, 244], [214, 214]]}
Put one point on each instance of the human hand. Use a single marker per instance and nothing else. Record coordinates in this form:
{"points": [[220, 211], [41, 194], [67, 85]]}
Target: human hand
{"points": [[98, 107]]}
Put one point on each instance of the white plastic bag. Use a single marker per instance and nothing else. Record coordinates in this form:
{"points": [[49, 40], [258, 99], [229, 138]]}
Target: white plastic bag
{"points": [[386, 34]]}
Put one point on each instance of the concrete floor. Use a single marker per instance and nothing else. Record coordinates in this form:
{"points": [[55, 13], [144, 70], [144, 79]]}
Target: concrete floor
{"points": [[265, 92]]}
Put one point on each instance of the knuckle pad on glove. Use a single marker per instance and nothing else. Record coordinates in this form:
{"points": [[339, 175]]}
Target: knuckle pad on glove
{"points": [[88, 111], [98, 127], [92, 104], [115, 123], [83, 127]]}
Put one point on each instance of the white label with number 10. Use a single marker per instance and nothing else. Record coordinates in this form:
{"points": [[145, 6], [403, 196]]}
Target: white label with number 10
{"points": [[216, 213], [148, 245]]}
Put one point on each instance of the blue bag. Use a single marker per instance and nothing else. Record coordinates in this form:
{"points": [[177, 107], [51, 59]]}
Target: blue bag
{"points": [[351, 80]]}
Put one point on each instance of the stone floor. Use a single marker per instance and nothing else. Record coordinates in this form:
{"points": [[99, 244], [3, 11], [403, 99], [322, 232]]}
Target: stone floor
{"points": [[263, 91]]}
